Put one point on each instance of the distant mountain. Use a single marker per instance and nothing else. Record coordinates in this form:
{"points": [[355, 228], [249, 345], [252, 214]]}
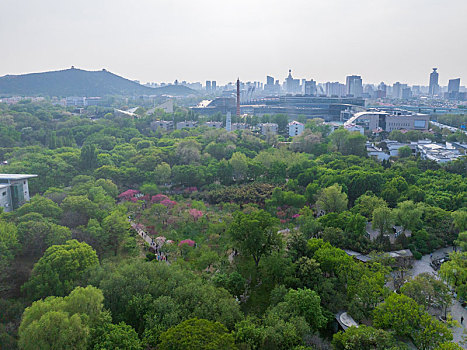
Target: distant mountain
{"points": [[77, 82]]}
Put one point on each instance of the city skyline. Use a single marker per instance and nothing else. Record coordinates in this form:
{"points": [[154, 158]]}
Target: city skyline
{"points": [[388, 40], [282, 80]]}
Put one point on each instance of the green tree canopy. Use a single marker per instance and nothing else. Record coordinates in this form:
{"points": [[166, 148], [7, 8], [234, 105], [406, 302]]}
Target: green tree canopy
{"points": [[61, 323], [404, 152], [44, 206], [332, 199], [454, 272], [8, 244], [194, 334], [399, 313], [60, 269], [428, 291], [153, 297], [37, 234], [117, 337], [363, 338], [382, 220], [408, 215], [254, 233]]}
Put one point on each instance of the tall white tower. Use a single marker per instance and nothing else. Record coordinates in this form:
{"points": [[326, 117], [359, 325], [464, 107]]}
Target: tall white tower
{"points": [[228, 122]]}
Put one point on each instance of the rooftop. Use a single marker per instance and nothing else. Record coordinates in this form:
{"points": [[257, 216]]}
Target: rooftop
{"points": [[268, 124], [345, 320], [295, 123], [16, 176]]}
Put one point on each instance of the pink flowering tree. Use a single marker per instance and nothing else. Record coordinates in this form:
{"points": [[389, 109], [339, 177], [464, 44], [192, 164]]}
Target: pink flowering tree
{"points": [[128, 195], [195, 214], [189, 242], [158, 198], [168, 203]]}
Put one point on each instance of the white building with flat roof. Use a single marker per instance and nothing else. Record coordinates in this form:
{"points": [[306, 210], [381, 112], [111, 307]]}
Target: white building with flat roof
{"points": [[437, 152], [268, 128], [14, 190], [186, 124], [239, 126], [216, 125], [295, 128], [165, 125]]}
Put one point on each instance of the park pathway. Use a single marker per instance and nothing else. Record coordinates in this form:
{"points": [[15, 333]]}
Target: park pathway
{"points": [[147, 239], [457, 311], [142, 234]]}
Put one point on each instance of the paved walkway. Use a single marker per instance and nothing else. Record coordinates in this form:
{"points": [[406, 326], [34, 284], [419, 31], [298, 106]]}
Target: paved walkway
{"points": [[148, 239], [141, 232], [456, 311], [423, 265]]}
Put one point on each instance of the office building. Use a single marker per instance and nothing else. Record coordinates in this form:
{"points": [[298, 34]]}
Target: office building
{"points": [[416, 90], [380, 93], [14, 190], [269, 80], [271, 87], [354, 85], [406, 93], [335, 89], [380, 120], [309, 87], [213, 86], [369, 91], [434, 86], [383, 87], [208, 86], [453, 89], [397, 90], [454, 85], [292, 86]]}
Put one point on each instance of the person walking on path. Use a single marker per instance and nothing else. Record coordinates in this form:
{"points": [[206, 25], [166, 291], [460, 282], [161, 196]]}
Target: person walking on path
{"points": [[462, 319]]}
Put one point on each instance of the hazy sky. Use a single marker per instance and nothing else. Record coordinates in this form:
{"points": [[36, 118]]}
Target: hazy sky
{"points": [[198, 40]]}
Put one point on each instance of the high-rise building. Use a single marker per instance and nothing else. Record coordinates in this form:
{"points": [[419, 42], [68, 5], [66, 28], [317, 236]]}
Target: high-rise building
{"points": [[292, 85], [354, 85], [208, 86], [335, 89], [269, 80], [454, 85], [453, 88], [309, 87], [397, 90], [382, 90], [416, 90], [434, 86], [269, 87], [369, 90], [213, 85], [406, 93]]}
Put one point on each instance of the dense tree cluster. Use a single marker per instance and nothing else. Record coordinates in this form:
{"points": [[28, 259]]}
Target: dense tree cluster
{"points": [[246, 237]]}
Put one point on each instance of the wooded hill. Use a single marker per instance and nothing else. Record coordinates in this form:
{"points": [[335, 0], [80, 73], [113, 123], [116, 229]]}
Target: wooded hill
{"points": [[77, 82]]}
